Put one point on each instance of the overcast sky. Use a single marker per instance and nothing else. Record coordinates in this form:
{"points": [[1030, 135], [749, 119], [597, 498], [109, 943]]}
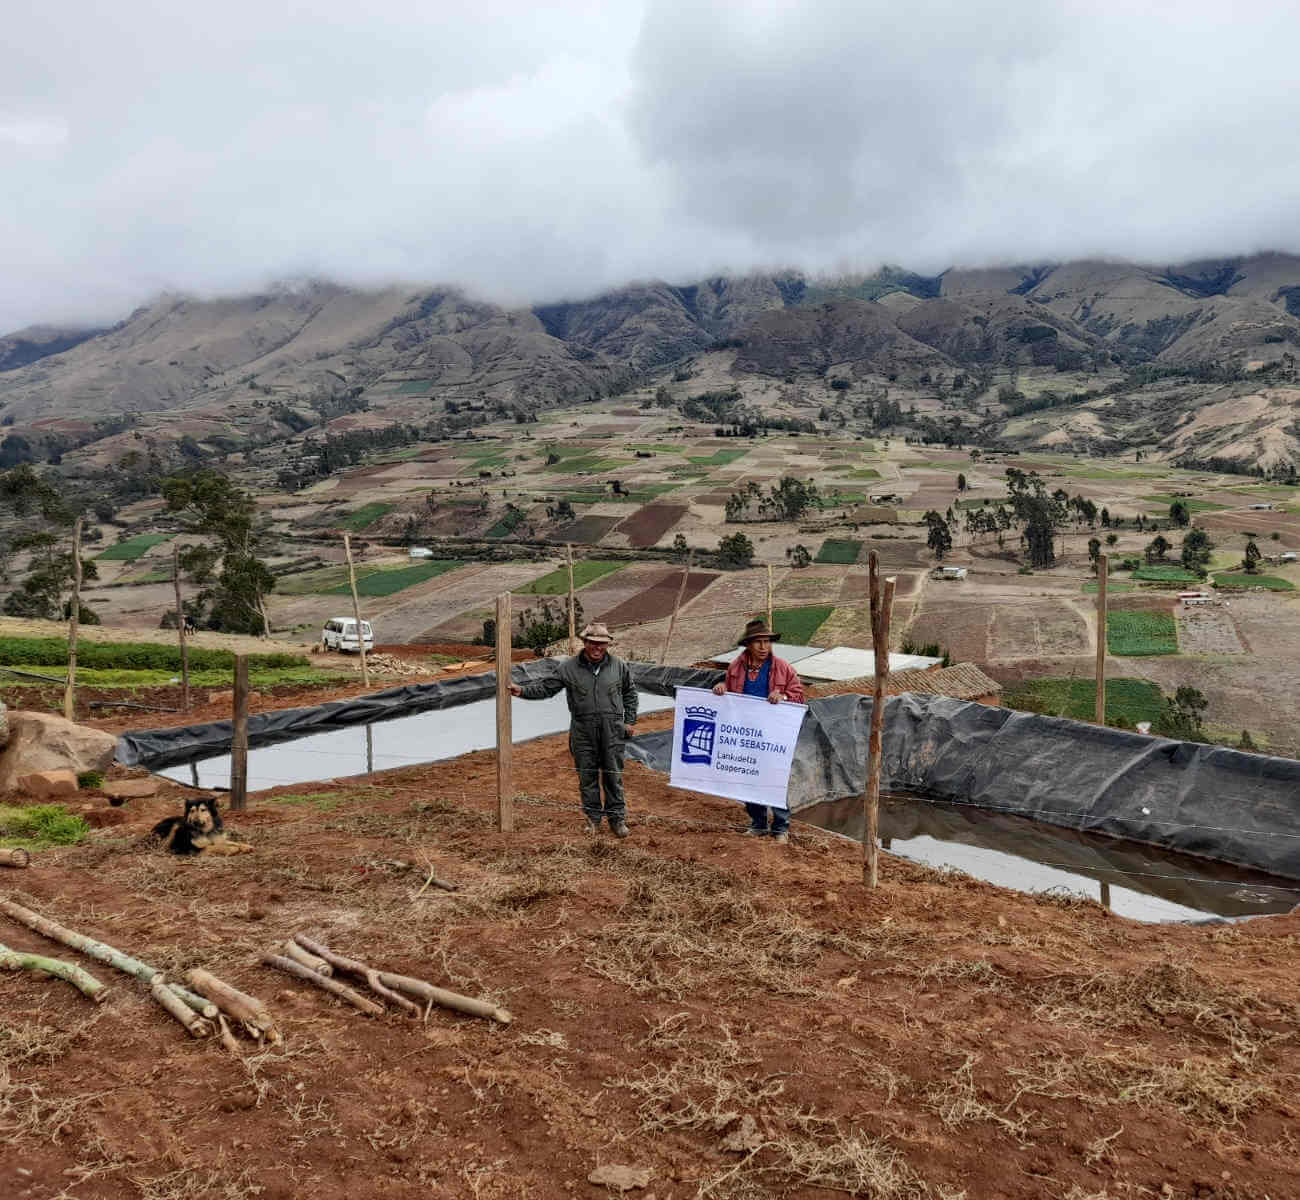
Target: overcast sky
{"points": [[534, 151]]}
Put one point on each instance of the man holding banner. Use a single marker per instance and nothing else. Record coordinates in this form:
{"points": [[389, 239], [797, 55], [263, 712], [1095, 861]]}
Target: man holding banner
{"points": [[741, 745]]}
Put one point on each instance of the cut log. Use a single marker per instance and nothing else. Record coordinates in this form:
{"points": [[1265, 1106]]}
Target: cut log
{"points": [[325, 983], [171, 1003], [81, 979], [366, 972], [79, 941], [453, 1000], [205, 1008], [294, 951], [227, 1038], [248, 1010], [14, 857]]}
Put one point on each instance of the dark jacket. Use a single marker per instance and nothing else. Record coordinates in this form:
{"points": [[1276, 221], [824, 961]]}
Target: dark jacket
{"points": [[605, 690]]}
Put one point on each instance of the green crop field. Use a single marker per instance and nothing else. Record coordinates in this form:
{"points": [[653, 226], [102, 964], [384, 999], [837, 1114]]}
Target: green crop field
{"points": [[839, 550], [799, 625], [1239, 579], [557, 582], [1128, 701], [366, 515], [833, 498], [395, 579], [133, 548], [508, 524], [859, 473], [719, 458], [413, 387], [1112, 586], [1166, 575], [1141, 633]]}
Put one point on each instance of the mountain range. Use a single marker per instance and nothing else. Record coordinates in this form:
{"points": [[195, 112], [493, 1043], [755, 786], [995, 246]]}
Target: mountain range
{"points": [[183, 363]]}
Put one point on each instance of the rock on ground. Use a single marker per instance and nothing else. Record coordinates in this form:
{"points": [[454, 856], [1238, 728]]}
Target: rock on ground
{"points": [[44, 742]]}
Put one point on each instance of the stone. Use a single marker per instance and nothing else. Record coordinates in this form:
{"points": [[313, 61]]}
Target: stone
{"points": [[226, 697], [40, 742], [624, 1179], [118, 790], [48, 785]]}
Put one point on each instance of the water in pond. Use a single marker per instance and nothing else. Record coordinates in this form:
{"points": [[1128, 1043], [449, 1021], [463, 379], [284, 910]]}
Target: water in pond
{"points": [[1133, 880], [383, 745]]}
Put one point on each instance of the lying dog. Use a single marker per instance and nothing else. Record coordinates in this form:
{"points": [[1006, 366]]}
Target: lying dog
{"points": [[199, 831]]}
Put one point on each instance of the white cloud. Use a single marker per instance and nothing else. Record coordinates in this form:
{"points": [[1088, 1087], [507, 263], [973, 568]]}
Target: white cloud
{"points": [[530, 151]]}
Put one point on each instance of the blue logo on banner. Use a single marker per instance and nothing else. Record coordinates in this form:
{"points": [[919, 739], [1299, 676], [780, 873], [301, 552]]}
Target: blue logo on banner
{"points": [[698, 730]]}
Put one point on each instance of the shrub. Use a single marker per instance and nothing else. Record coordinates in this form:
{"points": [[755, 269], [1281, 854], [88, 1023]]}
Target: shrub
{"points": [[89, 780]]}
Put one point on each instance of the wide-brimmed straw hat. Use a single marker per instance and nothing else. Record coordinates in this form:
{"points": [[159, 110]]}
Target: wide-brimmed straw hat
{"points": [[596, 632], [757, 629]]}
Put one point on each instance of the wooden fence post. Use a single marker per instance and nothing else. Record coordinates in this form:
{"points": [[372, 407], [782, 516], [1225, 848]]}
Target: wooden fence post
{"points": [[70, 691], [505, 746], [881, 609], [356, 610], [677, 604], [573, 636], [770, 625], [239, 738], [180, 628], [1103, 567]]}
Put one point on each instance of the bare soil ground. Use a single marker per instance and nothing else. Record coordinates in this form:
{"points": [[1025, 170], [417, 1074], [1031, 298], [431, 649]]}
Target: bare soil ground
{"points": [[743, 1020], [1207, 630]]}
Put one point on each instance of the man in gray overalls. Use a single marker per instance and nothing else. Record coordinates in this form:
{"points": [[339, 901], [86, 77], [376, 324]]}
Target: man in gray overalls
{"points": [[602, 704]]}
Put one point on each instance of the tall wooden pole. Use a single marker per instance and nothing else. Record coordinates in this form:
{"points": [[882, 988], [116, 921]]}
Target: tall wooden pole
{"points": [[505, 746], [356, 610], [180, 628], [239, 738], [769, 597], [1103, 568], [70, 692], [573, 633], [677, 604], [882, 606]]}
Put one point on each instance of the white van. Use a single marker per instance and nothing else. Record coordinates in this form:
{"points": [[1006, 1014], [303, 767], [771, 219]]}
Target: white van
{"points": [[340, 633]]}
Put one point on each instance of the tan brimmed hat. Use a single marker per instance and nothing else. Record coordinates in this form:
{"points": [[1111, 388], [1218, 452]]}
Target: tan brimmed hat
{"points": [[757, 628], [596, 632]]}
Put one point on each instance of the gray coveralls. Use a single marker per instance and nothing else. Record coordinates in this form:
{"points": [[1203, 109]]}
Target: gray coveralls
{"points": [[602, 700]]}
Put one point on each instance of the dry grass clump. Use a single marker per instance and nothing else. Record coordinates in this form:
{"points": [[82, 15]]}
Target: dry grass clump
{"points": [[1173, 993], [717, 1084], [1199, 1088], [957, 1102], [686, 936]]}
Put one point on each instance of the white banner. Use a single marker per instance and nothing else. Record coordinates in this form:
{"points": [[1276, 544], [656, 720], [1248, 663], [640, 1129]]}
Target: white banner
{"points": [[734, 745]]}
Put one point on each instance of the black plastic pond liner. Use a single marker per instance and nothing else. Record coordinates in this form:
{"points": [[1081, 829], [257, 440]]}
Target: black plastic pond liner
{"points": [[158, 748], [1204, 800]]}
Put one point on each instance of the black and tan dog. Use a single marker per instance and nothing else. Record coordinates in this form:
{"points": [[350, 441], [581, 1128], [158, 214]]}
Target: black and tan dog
{"points": [[199, 831]]}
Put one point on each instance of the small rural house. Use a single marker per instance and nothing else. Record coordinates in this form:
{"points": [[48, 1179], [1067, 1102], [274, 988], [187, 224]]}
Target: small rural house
{"points": [[951, 573]]}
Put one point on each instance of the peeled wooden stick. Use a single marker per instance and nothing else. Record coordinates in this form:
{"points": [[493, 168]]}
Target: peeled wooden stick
{"points": [[227, 1038], [292, 950], [205, 1008], [248, 1010], [351, 965], [79, 941], [454, 1000], [14, 857], [194, 1024], [333, 986], [82, 980]]}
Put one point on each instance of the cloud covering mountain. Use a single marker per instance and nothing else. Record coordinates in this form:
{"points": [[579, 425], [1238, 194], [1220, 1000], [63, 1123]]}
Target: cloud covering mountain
{"points": [[533, 152]]}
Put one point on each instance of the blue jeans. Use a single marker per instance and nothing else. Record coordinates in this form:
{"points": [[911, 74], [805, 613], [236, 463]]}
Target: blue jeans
{"points": [[758, 818]]}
